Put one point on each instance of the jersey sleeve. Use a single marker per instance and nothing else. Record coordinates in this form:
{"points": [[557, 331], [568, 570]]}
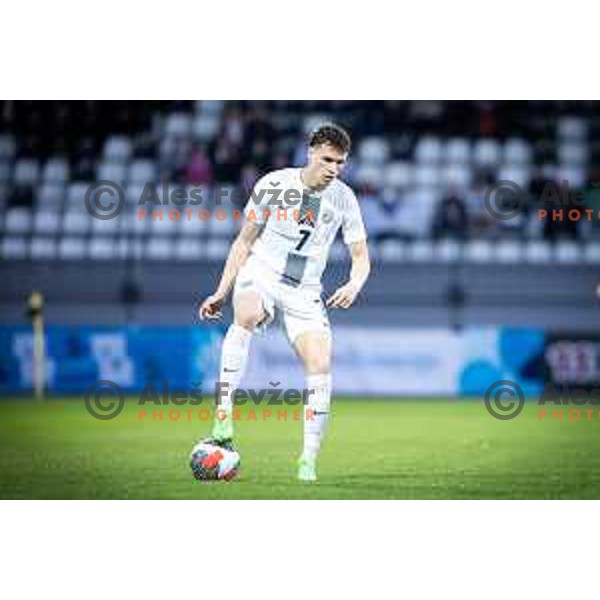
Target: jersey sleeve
{"points": [[353, 228], [258, 202]]}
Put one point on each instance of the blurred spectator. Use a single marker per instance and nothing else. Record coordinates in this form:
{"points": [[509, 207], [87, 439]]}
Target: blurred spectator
{"points": [[249, 177], [261, 154], [258, 125], [233, 128], [451, 219], [174, 154], [592, 200], [479, 217], [21, 195], [488, 121], [199, 169], [227, 163], [557, 225], [86, 160]]}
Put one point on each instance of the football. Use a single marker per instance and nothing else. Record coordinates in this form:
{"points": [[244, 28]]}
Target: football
{"points": [[212, 461]]}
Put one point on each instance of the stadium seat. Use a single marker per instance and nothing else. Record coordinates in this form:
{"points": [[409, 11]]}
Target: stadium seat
{"points": [[572, 128], [142, 171], [131, 223], [478, 251], [14, 247], [159, 249], [457, 177], [111, 171], [429, 150], [117, 148], [428, 176], [5, 171], [574, 174], [77, 223], [591, 253], [205, 127], [51, 195], [137, 198], [567, 252], [392, 251], [534, 226], [165, 226], [102, 248], [18, 220], [129, 248], [105, 226], [517, 152], [189, 249], [374, 216], [194, 227], [538, 252], [217, 249], [519, 174], [43, 248], [56, 170], [76, 194], [72, 248], [420, 251], [8, 147], [508, 251], [398, 175], [486, 152], [178, 124], [371, 175], [312, 121], [457, 151], [447, 251], [209, 107], [46, 221], [226, 227], [26, 172], [122, 248], [415, 214], [374, 151], [573, 154]]}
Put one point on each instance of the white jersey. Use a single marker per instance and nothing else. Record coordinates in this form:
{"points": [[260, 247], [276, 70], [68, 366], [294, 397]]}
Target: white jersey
{"points": [[298, 228]]}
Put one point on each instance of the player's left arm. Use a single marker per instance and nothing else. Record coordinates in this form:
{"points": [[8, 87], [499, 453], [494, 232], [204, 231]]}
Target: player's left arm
{"points": [[345, 295]]}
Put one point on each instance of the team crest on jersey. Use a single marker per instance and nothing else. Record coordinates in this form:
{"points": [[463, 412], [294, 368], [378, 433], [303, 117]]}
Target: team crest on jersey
{"points": [[327, 217]]}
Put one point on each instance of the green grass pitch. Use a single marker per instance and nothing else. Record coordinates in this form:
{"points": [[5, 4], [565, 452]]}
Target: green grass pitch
{"points": [[375, 449]]}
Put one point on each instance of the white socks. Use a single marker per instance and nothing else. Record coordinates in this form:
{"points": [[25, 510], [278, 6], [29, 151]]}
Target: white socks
{"points": [[319, 402], [234, 356]]}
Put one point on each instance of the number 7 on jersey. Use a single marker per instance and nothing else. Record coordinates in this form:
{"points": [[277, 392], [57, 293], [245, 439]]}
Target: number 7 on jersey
{"points": [[305, 233]]}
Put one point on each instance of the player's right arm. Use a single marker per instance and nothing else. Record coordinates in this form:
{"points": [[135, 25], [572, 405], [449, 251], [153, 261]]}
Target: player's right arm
{"points": [[240, 250]]}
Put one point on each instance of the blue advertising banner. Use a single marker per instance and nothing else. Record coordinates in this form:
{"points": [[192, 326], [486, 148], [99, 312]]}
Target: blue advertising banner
{"points": [[129, 356], [410, 361]]}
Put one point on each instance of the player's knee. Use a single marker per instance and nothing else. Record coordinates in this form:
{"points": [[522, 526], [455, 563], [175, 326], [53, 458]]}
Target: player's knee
{"points": [[316, 364], [248, 319]]}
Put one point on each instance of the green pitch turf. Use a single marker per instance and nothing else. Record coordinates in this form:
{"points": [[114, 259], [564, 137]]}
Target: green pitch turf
{"points": [[375, 449]]}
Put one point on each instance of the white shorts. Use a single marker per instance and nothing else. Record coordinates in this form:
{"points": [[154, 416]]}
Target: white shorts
{"points": [[301, 308]]}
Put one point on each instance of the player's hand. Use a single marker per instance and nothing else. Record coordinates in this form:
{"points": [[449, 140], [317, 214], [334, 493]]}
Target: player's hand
{"points": [[211, 308], [344, 296]]}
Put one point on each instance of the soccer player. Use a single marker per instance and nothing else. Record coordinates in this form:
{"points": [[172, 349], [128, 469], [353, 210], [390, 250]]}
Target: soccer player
{"points": [[276, 262]]}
